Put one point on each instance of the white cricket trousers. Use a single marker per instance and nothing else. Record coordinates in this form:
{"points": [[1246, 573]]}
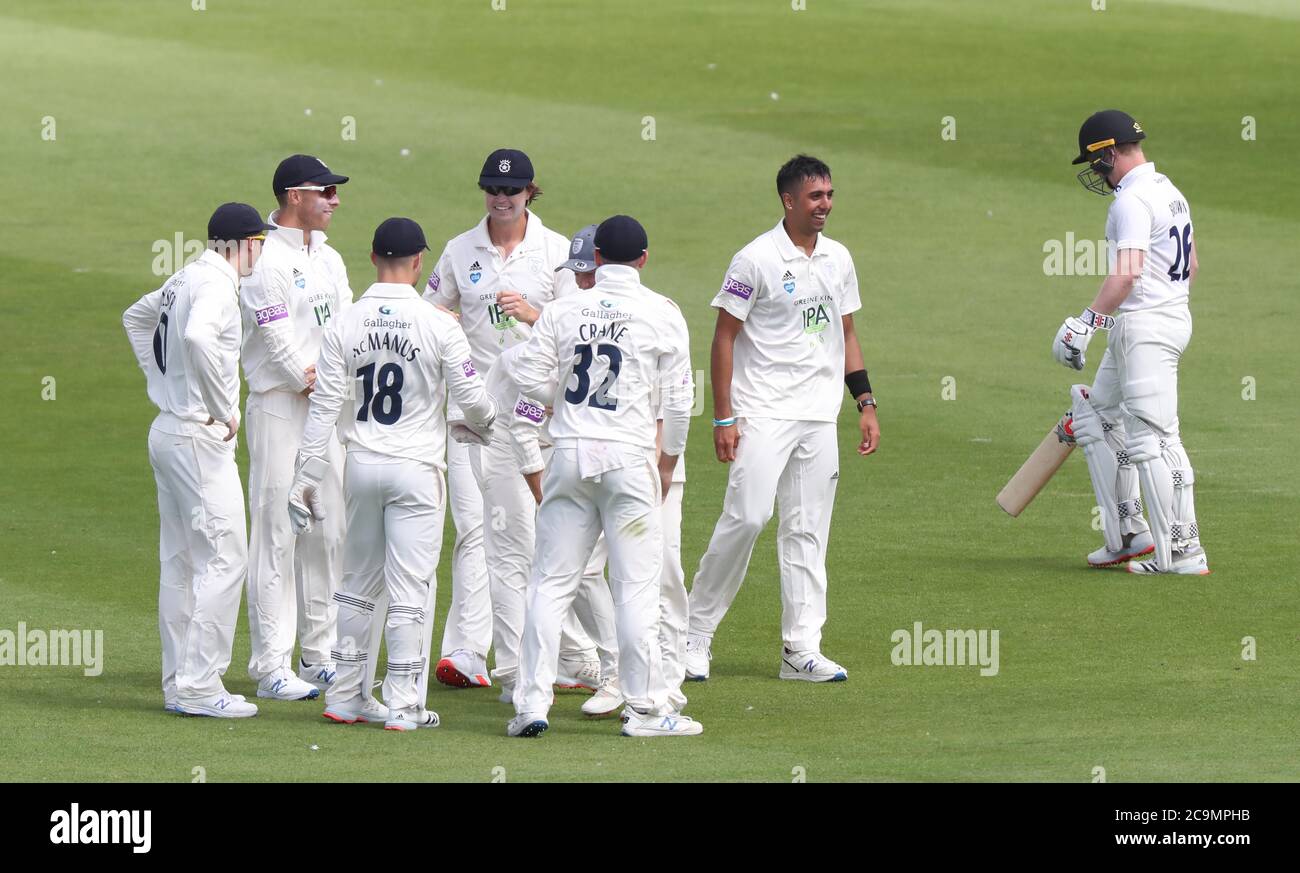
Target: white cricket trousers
{"points": [[203, 552], [624, 504], [469, 618], [795, 463], [674, 604], [509, 541], [395, 512], [291, 580]]}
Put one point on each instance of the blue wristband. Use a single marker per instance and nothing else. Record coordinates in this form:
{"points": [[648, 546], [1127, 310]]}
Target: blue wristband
{"points": [[723, 422]]}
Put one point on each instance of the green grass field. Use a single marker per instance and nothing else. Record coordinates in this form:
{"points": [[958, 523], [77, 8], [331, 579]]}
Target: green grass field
{"points": [[160, 112]]}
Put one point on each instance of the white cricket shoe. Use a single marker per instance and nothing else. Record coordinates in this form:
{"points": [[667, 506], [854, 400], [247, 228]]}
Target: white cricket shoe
{"points": [[810, 667], [527, 724], [1192, 562], [410, 719], [321, 675], [676, 725], [698, 655], [283, 685], [581, 672], [1135, 546], [221, 705], [172, 706], [358, 710], [604, 702], [463, 669]]}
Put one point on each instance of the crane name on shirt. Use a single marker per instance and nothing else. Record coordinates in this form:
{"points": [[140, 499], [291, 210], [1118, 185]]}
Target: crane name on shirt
{"points": [[614, 328]]}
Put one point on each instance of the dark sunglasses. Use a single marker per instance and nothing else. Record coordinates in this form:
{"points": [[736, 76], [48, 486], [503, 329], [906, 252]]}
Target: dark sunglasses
{"points": [[495, 190]]}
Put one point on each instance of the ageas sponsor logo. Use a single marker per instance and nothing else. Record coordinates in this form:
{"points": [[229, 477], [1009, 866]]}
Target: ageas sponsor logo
{"points": [[738, 288], [270, 314], [527, 409]]}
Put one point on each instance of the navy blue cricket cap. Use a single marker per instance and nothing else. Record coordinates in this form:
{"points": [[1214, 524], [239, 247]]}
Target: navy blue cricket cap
{"points": [[509, 168], [582, 252], [398, 238], [621, 238], [298, 170], [236, 221]]}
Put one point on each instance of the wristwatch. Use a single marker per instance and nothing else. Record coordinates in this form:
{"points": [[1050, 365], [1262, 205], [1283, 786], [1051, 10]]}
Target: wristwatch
{"points": [[863, 404]]}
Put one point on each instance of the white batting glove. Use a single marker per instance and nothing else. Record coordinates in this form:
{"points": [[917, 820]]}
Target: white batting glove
{"points": [[1072, 339], [1071, 343], [304, 495], [462, 432]]}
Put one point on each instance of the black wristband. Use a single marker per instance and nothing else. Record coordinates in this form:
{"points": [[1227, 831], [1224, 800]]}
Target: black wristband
{"points": [[858, 383]]}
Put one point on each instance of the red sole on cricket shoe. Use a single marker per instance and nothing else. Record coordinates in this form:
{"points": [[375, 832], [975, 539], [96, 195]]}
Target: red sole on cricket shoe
{"points": [[334, 718], [1122, 560], [448, 675]]}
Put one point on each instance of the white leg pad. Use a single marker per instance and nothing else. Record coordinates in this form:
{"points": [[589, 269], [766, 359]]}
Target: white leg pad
{"points": [[1103, 466]]}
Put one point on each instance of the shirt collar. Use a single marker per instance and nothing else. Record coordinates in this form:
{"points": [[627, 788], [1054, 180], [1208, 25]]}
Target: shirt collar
{"points": [[292, 236], [533, 231], [787, 249], [1141, 171], [211, 257], [390, 290], [618, 274]]}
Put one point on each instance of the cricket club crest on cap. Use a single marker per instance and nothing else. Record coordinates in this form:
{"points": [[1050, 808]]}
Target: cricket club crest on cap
{"points": [[508, 168], [582, 252]]}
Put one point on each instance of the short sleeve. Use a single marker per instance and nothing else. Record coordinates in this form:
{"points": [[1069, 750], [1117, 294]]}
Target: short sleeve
{"points": [[740, 287], [441, 288], [1131, 223], [850, 301]]}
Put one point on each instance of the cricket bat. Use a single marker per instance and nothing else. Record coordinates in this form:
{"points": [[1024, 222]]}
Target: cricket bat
{"points": [[1038, 469]]}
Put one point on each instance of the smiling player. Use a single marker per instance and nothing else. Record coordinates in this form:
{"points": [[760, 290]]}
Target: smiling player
{"points": [[784, 341]]}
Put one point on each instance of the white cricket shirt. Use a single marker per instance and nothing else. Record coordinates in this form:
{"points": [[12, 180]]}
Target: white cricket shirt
{"points": [[291, 295], [1149, 213], [386, 367], [186, 338], [599, 355], [789, 357], [471, 272]]}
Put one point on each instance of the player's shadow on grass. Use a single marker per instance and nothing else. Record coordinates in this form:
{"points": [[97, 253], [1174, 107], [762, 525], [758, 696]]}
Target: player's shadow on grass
{"points": [[1040, 565]]}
